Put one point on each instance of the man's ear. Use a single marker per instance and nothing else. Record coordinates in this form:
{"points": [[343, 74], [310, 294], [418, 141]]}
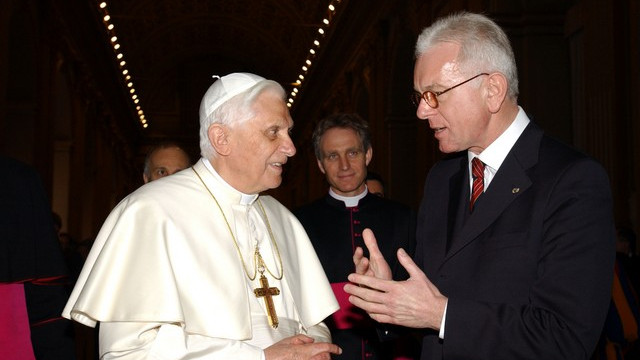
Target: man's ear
{"points": [[320, 166], [497, 88], [219, 138], [369, 155]]}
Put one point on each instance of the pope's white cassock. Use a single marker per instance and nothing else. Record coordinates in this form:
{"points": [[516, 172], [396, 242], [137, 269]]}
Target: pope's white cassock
{"points": [[165, 278]]}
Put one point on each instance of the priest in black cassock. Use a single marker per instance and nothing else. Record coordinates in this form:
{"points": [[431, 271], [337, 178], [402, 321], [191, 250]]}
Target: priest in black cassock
{"points": [[335, 222]]}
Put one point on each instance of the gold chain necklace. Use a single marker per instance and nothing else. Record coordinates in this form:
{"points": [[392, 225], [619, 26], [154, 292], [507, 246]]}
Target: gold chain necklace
{"points": [[258, 263]]}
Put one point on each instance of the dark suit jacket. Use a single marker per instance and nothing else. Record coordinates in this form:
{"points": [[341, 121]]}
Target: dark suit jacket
{"points": [[528, 274]]}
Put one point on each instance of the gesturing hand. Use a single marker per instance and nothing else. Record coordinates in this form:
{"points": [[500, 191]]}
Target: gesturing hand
{"points": [[415, 302], [376, 266]]}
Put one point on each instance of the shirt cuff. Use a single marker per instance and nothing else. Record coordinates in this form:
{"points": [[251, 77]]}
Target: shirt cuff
{"points": [[444, 317]]}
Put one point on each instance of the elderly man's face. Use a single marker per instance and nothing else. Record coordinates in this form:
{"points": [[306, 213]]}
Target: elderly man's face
{"points": [[461, 120], [261, 146]]}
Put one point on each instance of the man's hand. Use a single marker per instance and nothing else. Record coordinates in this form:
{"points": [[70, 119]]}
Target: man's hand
{"points": [[415, 303], [375, 266], [301, 347]]}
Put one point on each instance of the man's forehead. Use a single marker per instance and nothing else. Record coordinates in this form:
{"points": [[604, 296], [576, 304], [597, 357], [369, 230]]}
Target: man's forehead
{"points": [[164, 155], [334, 144], [269, 120], [443, 51], [271, 108], [262, 122], [439, 61], [174, 150]]}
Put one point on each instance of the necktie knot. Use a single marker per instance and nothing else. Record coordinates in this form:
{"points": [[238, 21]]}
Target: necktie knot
{"points": [[477, 172]]}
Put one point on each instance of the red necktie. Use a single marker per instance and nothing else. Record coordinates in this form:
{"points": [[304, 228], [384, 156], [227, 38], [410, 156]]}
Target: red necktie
{"points": [[477, 172]]}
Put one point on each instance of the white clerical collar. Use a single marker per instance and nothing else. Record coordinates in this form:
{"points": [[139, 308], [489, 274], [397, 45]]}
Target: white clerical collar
{"points": [[349, 201], [245, 199], [494, 154]]}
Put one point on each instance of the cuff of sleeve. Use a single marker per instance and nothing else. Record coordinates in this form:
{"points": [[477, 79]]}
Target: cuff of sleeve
{"points": [[444, 317]]}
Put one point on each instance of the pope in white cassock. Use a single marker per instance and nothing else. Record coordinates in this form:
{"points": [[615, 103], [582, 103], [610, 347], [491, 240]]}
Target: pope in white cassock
{"points": [[198, 265]]}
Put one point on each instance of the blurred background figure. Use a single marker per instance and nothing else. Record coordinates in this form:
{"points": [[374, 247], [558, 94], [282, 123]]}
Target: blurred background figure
{"points": [[375, 184], [32, 270], [165, 159], [627, 255], [619, 339]]}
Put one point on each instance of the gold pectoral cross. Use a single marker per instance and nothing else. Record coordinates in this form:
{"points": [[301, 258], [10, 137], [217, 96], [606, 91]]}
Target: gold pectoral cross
{"points": [[267, 292]]}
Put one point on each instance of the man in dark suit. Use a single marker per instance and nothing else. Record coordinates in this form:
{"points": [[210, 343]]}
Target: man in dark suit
{"points": [[524, 271]]}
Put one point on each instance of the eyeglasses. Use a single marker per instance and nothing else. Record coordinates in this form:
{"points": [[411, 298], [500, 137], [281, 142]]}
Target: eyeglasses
{"points": [[431, 97]]}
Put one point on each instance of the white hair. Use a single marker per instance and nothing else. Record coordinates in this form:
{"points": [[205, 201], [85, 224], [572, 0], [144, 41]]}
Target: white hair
{"points": [[484, 46], [234, 112]]}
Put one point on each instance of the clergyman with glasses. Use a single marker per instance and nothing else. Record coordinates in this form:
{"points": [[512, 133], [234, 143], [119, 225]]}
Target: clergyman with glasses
{"points": [[515, 237]]}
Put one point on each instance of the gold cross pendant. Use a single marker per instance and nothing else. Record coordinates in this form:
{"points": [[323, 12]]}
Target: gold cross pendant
{"points": [[267, 292]]}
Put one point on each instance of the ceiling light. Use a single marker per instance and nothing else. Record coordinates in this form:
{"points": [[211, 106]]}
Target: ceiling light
{"points": [[326, 21], [106, 17]]}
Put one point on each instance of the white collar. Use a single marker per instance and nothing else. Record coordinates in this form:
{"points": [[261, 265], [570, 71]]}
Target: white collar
{"points": [[245, 199], [497, 151], [349, 201]]}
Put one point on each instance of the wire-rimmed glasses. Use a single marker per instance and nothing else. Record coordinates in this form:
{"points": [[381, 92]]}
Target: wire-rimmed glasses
{"points": [[431, 97]]}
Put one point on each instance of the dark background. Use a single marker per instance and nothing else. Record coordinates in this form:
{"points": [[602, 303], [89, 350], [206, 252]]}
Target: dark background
{"points": [[66, 108]]}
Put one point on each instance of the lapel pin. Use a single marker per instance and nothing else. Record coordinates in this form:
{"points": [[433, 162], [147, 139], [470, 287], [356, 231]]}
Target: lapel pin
{"points": [[515, 190]]}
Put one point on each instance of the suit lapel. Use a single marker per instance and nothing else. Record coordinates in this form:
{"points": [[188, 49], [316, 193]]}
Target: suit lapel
{"points": [[457, 195], [509, 183]]}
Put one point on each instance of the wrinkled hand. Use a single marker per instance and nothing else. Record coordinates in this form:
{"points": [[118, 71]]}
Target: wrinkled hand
{"points": [[375, 266], [301, 347], [415, 303]]}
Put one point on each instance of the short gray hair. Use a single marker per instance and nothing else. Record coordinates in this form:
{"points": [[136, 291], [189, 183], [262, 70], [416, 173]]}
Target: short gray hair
{"points": [[484, 46]]}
